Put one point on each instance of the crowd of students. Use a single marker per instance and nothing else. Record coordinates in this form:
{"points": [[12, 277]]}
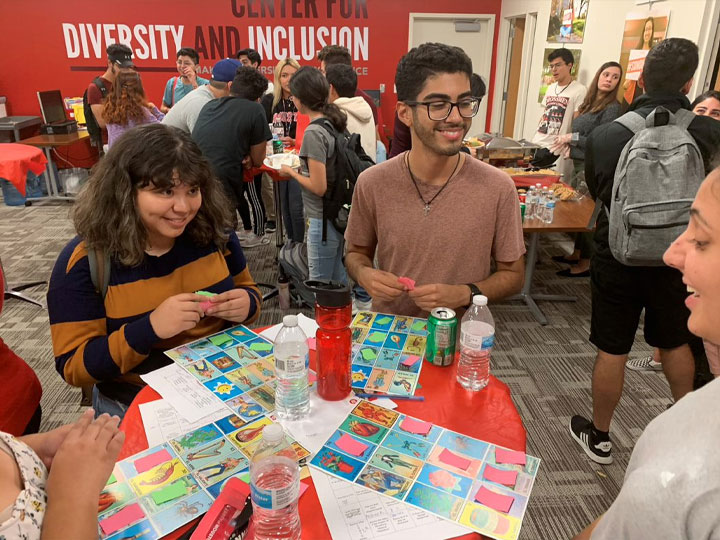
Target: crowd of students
{"points": [[156, 224]]}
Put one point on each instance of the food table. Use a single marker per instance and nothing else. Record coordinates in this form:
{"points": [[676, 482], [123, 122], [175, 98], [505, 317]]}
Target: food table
{"points": [[47, 143], [489, 415]]}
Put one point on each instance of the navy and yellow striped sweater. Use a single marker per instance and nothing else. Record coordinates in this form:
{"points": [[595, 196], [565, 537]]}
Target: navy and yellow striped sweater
{"points": [[111, 343]]}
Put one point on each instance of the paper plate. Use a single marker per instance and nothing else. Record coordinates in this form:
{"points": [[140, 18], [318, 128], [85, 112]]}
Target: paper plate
{"points": [[275, 161]]}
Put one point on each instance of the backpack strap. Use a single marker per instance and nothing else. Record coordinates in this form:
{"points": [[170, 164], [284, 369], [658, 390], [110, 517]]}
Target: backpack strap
{"points": [[633, 121], [100, 86], [683, 118], [99, 262]]}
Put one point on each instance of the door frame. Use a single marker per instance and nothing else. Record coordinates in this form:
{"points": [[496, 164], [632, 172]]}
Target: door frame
{"points": [[709, 44], [487, 46], [503, 59]]}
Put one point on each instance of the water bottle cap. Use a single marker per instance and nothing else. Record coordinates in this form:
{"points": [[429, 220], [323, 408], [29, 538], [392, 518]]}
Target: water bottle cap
{"points": [[272, 433], [480, 300], [290, 320]]}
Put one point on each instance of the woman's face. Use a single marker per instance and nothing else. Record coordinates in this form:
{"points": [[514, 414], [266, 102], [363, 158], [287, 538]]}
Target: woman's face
{"points": [[710, 107], [166, 212], [285, 74], [696, 253], [647, 34], [609, 79]]}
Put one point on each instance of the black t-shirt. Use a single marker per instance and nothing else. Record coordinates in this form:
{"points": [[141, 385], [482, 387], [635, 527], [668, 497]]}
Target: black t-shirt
{"points": [[226, 129]]}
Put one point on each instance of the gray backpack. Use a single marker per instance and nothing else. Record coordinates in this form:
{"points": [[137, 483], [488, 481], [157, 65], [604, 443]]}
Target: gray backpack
{"points": [[657, 177]]}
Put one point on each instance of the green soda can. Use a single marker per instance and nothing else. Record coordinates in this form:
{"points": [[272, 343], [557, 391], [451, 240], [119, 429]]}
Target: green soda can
{"points": [[442, 330], [277, 145]]}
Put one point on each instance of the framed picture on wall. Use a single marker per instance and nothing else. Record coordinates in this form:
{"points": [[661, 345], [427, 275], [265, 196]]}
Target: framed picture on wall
{"points": [[547, 78], [567, 21], [643, 30]]}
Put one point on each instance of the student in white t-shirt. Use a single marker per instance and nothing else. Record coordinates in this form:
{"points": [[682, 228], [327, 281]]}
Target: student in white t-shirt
{"points": [[561, 103]]}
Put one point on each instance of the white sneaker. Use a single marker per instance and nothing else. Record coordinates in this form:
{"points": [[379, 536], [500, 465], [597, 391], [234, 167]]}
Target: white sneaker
{"points": [[252, 240], [645, 363], [359, 305]]}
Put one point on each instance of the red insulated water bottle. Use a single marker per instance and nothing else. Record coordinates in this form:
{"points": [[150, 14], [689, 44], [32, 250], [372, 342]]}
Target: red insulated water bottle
{"points": [[333, 314]]}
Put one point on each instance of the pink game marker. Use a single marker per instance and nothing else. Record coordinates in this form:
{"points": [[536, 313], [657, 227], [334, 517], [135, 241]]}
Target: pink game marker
{"points": [[496, 501], [407, 282]]}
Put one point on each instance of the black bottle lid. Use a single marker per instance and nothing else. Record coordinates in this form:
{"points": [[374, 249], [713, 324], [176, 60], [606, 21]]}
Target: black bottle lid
{"points": [[330, 293]]}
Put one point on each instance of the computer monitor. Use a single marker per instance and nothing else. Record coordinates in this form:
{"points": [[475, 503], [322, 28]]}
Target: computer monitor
{"points": [[51, 104]]}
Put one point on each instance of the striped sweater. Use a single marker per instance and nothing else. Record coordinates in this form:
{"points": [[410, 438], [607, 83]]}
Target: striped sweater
{"points": [[111, 343]]}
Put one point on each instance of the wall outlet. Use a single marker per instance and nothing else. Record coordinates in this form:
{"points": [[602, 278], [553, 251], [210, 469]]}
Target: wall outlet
{"points": [[382, 88]]}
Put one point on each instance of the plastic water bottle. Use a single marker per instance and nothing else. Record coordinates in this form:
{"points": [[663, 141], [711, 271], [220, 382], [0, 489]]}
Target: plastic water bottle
{"points": [[549, 208], [292, 400], [530, 201], [269, 144], [275, 487], [540, 205], [477, 337]]}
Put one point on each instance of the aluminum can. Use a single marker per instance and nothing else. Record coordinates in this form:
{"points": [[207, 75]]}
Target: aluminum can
{"points": [[442, 331]]}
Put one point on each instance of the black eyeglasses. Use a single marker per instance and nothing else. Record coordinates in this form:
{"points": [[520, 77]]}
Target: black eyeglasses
{"points": [[440, 110]]}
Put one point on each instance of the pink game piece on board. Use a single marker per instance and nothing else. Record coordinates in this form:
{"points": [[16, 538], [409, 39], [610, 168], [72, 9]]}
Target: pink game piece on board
{"points": [[127, 516], [500, 476], [312, 343], [446, 456], [148, 462], [496, 501], [511, 457], [417, 427], [408, 282], [347, 444], [410, 360]]}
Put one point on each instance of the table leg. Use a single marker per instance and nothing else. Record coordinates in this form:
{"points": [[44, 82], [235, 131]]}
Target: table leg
{"points": [[13, 291]]}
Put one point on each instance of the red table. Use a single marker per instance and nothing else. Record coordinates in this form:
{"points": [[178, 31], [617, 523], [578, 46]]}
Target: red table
{"points": [[16, 160], [489, 415]]}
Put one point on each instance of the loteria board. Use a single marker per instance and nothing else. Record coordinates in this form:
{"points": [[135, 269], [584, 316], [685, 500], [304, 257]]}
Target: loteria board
{"points": [[161, 489], [387, 352], [469, 481]]}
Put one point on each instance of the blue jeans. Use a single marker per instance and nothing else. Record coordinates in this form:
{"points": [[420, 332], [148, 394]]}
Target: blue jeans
{"points": [[291, 206], [103, 404], [325, 259]]}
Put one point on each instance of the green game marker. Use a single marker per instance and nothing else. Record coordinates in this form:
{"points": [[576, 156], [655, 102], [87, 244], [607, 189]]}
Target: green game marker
{"points": [[205, 293], [111, 480], [376, 337], [384, 320], [418, 325], [368, 354], [173, 491], [262, 347], [220, 341]]}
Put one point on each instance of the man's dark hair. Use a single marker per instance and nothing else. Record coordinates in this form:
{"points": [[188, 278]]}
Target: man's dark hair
{"points": [[564, 54], [252, 55], [118, 48], [422, 62], [477, 86], [669, 65], [705, 95], [343, 78], [335, 54], [189, 51], [248, 83]]}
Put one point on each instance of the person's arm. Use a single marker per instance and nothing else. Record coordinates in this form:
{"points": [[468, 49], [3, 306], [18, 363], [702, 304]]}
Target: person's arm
{"points": [[155, 112], [316, 183], [167, 95], [586, 533], [257, 154], [258, 136], [97, 110]]}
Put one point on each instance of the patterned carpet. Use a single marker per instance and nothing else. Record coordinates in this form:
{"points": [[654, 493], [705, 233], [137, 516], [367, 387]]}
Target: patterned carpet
{"points": [[547, 368]]}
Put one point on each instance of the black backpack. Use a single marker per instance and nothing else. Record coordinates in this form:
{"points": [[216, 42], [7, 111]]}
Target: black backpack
{"points": [[342, 169], [94, 130]]}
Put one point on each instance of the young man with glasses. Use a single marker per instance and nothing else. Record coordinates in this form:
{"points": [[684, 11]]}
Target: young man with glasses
{"points": [[434, 214], [561, 103]]}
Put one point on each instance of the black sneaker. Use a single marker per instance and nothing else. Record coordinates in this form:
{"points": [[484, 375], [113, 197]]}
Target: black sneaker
{"points": [[270, 227], [582, 431]]}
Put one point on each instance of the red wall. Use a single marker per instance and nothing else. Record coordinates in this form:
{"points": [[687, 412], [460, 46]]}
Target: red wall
{"points": [[37, 55]]}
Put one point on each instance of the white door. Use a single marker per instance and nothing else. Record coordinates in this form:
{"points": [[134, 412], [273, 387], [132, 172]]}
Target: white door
{"points": [[476, 41]]}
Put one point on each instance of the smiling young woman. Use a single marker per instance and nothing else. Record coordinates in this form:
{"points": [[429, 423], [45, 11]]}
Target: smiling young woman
{"points": [[153, 209]]}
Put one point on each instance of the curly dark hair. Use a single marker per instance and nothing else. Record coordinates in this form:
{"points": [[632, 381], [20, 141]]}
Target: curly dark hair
{"points": [[670, 65], [422, 62], [343, 78], [105, 214], [564, 54], [248, 83], [335, 54], [252, 55], [126, 101], [311, 87]]}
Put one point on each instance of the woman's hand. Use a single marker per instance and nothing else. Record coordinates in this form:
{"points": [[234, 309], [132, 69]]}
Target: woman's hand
{"points": [[177, 314], [232, 305], [288, 141], [286, 170]]}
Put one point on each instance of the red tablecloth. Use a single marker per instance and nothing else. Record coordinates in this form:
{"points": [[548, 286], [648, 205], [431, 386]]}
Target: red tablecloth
{"points": [[489, 415], [17, 159]]}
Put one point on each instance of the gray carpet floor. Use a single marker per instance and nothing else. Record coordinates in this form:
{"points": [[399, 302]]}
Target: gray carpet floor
{"points": [[547, 368]]}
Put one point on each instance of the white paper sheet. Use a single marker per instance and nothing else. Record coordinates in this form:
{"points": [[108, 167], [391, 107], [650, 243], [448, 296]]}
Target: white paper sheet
{"points": [[355, 513], [188, 397], [308, 325], [321, 423], [162, 422]]}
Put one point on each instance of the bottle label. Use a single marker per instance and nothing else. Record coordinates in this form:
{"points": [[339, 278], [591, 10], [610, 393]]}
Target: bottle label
{"points": [[476, 342], [274, 499], [292, 365]]}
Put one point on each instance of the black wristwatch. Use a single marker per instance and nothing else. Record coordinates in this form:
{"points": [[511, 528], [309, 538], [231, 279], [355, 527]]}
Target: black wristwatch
{"points": [[474, 291]]}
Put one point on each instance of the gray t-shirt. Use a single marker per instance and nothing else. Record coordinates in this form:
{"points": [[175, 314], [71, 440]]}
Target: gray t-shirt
{"points": [[672, 483], [185, 112], [319, 145]]}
